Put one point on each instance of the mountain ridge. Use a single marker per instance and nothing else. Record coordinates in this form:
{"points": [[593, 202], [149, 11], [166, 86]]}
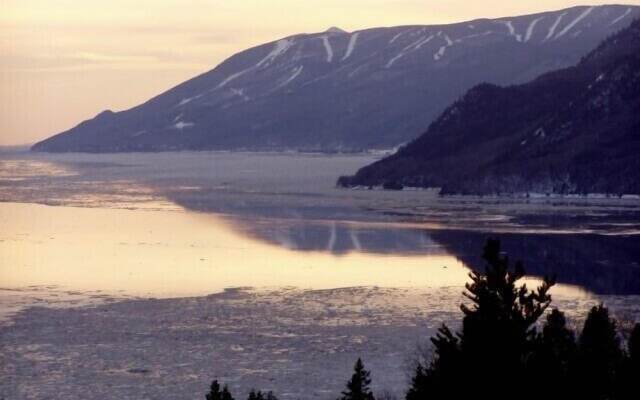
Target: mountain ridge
{"points": [[337, 91], [571, 131]]}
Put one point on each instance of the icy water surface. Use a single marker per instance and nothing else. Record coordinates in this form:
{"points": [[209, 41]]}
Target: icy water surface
{"points": [[256, 212], [149, 274]]}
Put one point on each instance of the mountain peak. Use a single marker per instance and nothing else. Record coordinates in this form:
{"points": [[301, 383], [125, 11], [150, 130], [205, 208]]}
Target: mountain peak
{"points": [[335, 29]]}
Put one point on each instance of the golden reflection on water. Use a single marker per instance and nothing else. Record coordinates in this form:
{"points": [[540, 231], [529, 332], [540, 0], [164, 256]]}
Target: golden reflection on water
{"points": [[175, 253], [19, 170], [181, 253]]}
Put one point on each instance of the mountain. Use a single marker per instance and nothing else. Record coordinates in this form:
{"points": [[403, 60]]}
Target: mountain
{"points": [[573, 131], [338, 91]]}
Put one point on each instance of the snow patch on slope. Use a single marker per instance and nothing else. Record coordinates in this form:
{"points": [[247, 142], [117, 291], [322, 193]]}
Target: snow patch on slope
{"points": [[180, 125], [352, 45], [279, 49], [296, 72], [240, 93], [531, 28], [620, 18], [233, 77], [410, 48], [139, 133], [440, 53], [188, 100], [462, 39], [512, 30], [327, 47], [552, 29], [397, 36], [574, 23]]}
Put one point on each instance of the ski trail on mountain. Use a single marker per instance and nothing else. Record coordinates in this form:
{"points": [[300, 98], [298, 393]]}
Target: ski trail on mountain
{"points": [[410, 48], [328, 48], [512, 30], [440, 53], [531, 28], [574, 23], [620, 18], [352, 45], [397, 36], [296, 72], [553, 28], [279, 49]]}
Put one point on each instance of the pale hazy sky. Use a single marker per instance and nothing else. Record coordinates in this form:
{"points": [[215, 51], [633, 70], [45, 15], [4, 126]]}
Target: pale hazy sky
{"points": [[63, 61]]}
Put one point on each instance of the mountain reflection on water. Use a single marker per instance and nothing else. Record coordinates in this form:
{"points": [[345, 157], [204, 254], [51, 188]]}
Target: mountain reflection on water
{"points": [[291, 201], [602, 264]]}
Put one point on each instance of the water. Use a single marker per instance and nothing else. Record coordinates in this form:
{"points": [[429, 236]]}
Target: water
{"points": [[273, 216], [100, 256]]}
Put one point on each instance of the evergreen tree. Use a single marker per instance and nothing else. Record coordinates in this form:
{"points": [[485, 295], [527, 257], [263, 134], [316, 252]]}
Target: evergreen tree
{"points": [[599, 356], [271, 396], [358, 386], [634, 345], [419, 384], [558, 341], [436, 381], [253, 395], [214, 391], [216, 394], [498, 329], [487, 359], [626, 388], [553, 355], [226, 395]]}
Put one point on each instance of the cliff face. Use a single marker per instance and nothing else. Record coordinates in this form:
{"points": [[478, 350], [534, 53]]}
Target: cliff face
{"points": [[575, 130], [338, 91]]}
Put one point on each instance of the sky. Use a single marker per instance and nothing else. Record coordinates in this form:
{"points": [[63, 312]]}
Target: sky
{"points": [[64, 61]]}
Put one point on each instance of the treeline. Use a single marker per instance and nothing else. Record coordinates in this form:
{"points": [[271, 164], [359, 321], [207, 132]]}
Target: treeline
{"points": [[218, 393], [502, 351]]}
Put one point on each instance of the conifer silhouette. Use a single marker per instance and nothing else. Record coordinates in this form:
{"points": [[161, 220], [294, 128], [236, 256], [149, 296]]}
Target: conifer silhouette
{"points": [[627, 379], [553, 356], [498, 333], [419, 384], [216, 394], [631, 371], [253, 395], [634, 345], [226, 395], [599, 355], [358, 385], [499, 354], [271, 396], [497, 330]]}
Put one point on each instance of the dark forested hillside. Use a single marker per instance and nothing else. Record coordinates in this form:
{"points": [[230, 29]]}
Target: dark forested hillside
{"points": [[572, 131]]}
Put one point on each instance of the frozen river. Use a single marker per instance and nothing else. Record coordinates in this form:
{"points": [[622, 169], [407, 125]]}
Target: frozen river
{"points": [[154, 273]]}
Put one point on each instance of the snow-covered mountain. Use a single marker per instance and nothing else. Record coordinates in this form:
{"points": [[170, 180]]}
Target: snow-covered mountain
{"points": [[340, 91]]}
